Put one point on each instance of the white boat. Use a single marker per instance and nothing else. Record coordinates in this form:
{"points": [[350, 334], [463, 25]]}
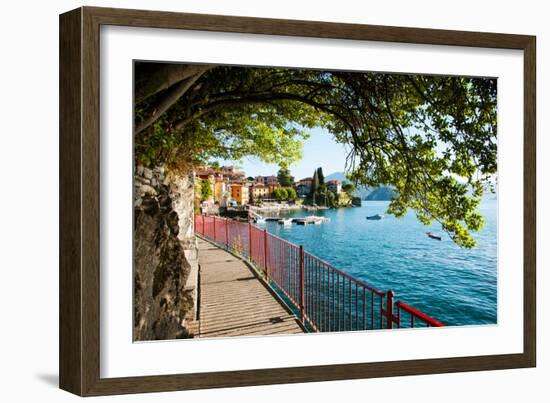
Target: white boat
{"points": [[312, 219], [285, 221]]}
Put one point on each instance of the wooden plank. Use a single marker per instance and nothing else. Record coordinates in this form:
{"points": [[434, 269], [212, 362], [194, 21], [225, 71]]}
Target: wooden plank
{"points": [[234, 301]]}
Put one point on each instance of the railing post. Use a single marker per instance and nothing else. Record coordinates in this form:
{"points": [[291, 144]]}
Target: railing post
{"points": [[202, 218], [389, 309], [215, 229], [226, 233], [265, 251], [302, 296], [250, 242]]}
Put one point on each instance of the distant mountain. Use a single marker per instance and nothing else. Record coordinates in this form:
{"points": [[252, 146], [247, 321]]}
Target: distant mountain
{"points": [[339, 176], [386, 192], [363, 192], [381, 193]]}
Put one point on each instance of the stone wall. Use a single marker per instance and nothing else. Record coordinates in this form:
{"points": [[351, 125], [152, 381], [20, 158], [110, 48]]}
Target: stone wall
{"points": [[183, 191], [165, 255]]}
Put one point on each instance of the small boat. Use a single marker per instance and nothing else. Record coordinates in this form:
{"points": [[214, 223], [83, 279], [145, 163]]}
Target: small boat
{"points": [[434, 236], [311, 220], [259, 219], [317, 219], [285, 221], [375, 217]]}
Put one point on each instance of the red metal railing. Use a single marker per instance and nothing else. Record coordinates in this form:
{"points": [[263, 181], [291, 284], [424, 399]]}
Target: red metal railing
{"points": [[325, 299]]}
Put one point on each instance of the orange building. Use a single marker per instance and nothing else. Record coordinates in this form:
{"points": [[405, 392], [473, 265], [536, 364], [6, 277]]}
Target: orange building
{"points": [[239, 193]]}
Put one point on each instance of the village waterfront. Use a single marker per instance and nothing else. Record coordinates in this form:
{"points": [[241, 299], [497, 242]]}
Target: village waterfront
{"points": [[456, 285]]}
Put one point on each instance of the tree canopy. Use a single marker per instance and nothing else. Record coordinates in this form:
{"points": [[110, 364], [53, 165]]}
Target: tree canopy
{"points": [[284, 177], [291, 194], [431, 138], [206, 190], [320, 176], [319, 193], [279, 194], [348, 187]]}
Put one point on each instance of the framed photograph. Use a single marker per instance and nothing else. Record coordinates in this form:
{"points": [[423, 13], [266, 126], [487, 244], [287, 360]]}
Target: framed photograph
{"points": [[249, 201]]}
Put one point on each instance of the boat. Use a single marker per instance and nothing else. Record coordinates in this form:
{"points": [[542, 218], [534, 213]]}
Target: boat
{"points": [[259, 219], [375, 217], [434, 236], [311, 220], [317, 219], [285, 221]]}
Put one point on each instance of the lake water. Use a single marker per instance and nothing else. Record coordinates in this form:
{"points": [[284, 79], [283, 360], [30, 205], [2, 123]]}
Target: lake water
{"points": [[452, 284]]}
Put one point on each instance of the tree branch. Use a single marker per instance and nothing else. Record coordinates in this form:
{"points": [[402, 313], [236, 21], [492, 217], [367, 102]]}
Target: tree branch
{"points": [[163, 77], [171, 97]]}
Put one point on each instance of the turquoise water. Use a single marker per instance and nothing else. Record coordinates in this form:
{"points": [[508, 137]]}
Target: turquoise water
{"points": [[452, 284]]}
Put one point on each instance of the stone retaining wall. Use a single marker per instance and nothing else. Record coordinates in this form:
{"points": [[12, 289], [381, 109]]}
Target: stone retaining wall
{"points": [[166, 255]]}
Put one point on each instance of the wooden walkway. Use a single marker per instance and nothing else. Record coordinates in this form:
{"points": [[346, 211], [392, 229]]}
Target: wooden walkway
{"points": [[233, 301]]}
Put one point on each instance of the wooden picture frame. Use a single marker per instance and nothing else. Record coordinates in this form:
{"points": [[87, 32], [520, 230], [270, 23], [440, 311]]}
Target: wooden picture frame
{"points": [[79, 201]]}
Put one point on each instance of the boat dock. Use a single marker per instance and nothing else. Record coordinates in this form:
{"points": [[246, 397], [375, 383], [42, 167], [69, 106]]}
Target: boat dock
{"points": [[235, 301]]}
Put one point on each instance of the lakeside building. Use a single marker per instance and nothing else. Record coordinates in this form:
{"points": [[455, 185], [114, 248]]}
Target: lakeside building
{"points": [[302, 190], [270, 180], [303, 186], [335, 186], [239, 193], [220, 191], [258, 191], [232, 173], [230, 185], [204, 171]]}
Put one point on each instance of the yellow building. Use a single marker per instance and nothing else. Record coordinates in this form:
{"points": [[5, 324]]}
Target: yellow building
{"points": [[259, 191], [219, 189], [239, 193]]}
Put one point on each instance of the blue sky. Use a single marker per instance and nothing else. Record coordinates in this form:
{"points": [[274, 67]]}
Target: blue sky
{"points": [[319, 150]]}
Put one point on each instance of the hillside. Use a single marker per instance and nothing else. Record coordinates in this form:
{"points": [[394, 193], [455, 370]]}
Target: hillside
{"points": [[365, 193], [381, 193]]}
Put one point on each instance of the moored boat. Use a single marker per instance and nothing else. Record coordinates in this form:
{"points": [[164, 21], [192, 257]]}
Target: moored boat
{"points": [[311, 220], [375, 217], [285, 221], [434, 236]]}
